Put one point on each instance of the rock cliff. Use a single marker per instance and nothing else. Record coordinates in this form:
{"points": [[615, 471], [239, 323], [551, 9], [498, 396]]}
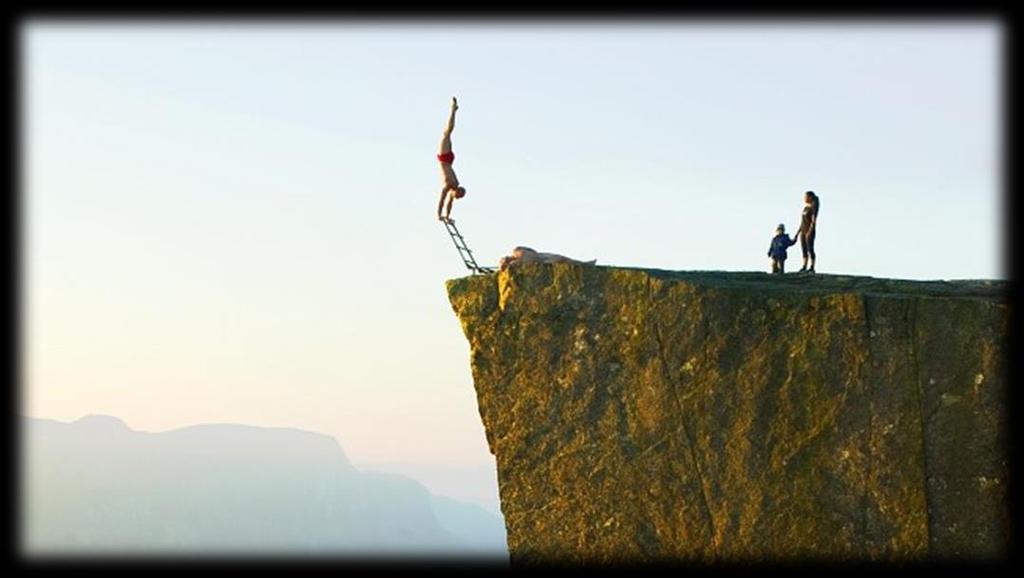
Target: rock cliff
{"points": [[646, 415]]}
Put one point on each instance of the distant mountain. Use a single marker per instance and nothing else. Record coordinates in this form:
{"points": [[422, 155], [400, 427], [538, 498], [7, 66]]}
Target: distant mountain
{"points": [[473, 525], [94, 486], [473, 483]]}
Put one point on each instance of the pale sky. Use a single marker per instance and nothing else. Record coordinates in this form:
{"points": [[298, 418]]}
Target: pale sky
{"points": [[234, 222]]}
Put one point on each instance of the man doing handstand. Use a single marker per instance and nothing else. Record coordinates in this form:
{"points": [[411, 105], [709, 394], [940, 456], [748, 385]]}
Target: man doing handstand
{"points": [[450, 188]]}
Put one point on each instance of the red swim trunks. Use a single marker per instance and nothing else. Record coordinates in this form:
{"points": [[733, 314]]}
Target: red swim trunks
{"points": [[448, 157]]}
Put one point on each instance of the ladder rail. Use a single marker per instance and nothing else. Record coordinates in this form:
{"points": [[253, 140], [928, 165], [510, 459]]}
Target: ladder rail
{"points": [[464, 251], [460, 247]]}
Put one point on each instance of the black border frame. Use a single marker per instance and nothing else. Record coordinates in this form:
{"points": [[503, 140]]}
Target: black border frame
{"points": [[738, 12]]}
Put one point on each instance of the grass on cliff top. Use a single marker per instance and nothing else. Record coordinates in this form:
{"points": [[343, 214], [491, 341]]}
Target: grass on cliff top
{"points": [[818, 282]]}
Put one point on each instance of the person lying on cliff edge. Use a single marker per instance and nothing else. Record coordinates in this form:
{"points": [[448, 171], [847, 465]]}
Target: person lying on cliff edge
{"points": [[450, 188], [777, 250], [528, 255], [808, 229]]}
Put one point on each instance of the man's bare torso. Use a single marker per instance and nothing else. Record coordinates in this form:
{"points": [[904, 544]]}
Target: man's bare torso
{"points": [[448, 176]]}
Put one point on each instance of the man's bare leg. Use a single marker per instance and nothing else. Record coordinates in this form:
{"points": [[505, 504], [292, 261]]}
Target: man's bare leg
{"points": [[451, 116], [446, 139]]}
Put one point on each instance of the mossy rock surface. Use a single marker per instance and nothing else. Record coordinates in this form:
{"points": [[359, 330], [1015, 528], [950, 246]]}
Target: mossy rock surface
{"points": [[645, 415]]}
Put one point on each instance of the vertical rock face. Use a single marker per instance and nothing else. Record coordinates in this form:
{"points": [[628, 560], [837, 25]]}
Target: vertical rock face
{"points": [[644, 415]]}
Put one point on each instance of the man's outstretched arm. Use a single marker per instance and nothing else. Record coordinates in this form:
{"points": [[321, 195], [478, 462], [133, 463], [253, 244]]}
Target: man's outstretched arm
{"points": [[440, 202]]}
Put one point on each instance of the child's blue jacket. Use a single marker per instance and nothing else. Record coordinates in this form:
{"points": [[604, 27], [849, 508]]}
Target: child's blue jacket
{"points": [[780, 242]]}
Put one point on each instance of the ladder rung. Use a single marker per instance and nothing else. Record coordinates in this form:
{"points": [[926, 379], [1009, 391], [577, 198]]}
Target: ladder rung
{"points": [[464, 251]]}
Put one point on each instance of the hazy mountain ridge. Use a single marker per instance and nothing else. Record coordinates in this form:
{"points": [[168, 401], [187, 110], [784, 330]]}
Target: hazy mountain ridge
{"points": [[470, 483], [96, 486]]}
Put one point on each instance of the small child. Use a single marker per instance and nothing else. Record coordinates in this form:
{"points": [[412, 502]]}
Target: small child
{"points": [[777, 250]]}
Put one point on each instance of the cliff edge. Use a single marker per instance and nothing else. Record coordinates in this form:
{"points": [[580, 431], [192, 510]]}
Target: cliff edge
{"points": [[643, 415]]}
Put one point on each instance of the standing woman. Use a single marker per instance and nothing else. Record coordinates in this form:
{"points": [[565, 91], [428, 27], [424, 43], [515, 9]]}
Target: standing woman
{"points": [[808, 229], [450, 188]]}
